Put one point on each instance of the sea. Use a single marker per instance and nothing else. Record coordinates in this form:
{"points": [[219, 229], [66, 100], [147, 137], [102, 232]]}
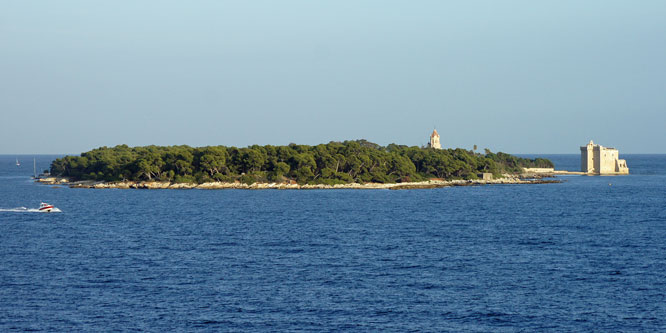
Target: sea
{"points": [[586, 254]]}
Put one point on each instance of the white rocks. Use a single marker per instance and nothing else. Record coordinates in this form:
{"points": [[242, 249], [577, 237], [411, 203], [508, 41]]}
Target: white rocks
{"points": [[508, 179]]}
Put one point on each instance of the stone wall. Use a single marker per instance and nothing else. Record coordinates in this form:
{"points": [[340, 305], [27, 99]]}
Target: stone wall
{"points": [[539, 170]]}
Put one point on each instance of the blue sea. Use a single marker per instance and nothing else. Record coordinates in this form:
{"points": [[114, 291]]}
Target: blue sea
{"points": [[587, 254]]}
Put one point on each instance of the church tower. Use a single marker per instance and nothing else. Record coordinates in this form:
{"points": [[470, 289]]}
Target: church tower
{"points": [[434, 140]]}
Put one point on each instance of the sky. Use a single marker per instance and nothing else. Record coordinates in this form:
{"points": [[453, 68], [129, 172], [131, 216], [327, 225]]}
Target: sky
{"points": [[512, 76]]}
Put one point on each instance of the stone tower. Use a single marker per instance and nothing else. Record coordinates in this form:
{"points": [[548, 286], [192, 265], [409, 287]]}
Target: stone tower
{"points": [[434, 140]]}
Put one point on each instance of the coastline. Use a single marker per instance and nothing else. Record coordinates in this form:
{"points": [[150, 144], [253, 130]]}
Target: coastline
{"points": [[286, 186]]}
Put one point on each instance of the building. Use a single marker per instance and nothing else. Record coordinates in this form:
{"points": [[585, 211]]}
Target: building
{"points": [[486, 176], [434, 140], [599, 160]]}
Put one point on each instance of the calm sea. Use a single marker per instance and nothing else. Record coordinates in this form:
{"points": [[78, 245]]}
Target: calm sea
{"points": [[588, 254]]}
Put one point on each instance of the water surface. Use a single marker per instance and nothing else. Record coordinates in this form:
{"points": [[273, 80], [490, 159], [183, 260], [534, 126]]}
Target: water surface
{"points": [[586, 254]]}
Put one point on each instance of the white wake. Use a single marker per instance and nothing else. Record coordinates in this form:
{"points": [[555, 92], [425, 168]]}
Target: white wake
{"points": [[28, 210]]}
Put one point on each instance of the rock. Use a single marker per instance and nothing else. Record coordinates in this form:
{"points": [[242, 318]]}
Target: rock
{"points": [[432, 183]]}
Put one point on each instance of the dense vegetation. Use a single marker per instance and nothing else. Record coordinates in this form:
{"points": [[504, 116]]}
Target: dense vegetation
{"points": [[336, 162]]}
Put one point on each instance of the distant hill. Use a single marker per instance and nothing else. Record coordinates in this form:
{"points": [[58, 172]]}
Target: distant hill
{"points": [[333, 163]]}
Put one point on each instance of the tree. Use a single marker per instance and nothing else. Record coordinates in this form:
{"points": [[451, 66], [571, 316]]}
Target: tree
{"points": [[252, 160], [149, 165], [213, 160]]}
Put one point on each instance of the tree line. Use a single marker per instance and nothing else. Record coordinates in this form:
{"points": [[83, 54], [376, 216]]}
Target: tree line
{"points": [[333, 163]]}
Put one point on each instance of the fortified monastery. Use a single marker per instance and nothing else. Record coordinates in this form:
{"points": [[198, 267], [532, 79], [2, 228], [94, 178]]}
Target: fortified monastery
{"points": [[599, 160]]}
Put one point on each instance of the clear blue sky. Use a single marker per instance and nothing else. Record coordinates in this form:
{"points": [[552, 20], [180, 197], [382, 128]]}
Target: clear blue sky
{"points": [[514, 76]]}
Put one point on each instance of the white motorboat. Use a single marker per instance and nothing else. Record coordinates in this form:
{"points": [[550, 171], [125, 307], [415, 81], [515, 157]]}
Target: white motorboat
{"points": [[44, 207]]}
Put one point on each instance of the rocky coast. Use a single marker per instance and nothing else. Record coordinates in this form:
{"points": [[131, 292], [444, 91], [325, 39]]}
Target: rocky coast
{"points": [[433, 183]]}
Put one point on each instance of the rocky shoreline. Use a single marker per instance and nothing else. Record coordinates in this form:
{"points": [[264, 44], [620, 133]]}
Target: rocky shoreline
{"points": [[288, 186]]}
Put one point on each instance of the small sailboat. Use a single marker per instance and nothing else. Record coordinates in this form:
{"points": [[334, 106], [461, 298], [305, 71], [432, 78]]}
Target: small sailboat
{"points": [[17, 162]]}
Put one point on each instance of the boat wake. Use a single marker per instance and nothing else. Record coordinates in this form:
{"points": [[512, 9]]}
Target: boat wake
{"points": [[28, 210]]}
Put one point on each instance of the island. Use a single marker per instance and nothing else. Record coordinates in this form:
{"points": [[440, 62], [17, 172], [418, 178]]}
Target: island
{"points": [[348, 164]]}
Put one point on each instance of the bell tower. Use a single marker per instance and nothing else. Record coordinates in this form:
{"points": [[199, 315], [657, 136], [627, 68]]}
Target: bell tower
{"points": [[434, 140]]}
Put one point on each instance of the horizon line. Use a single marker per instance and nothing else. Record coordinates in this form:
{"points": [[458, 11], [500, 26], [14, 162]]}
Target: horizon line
{"points": [[512, 153]]}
